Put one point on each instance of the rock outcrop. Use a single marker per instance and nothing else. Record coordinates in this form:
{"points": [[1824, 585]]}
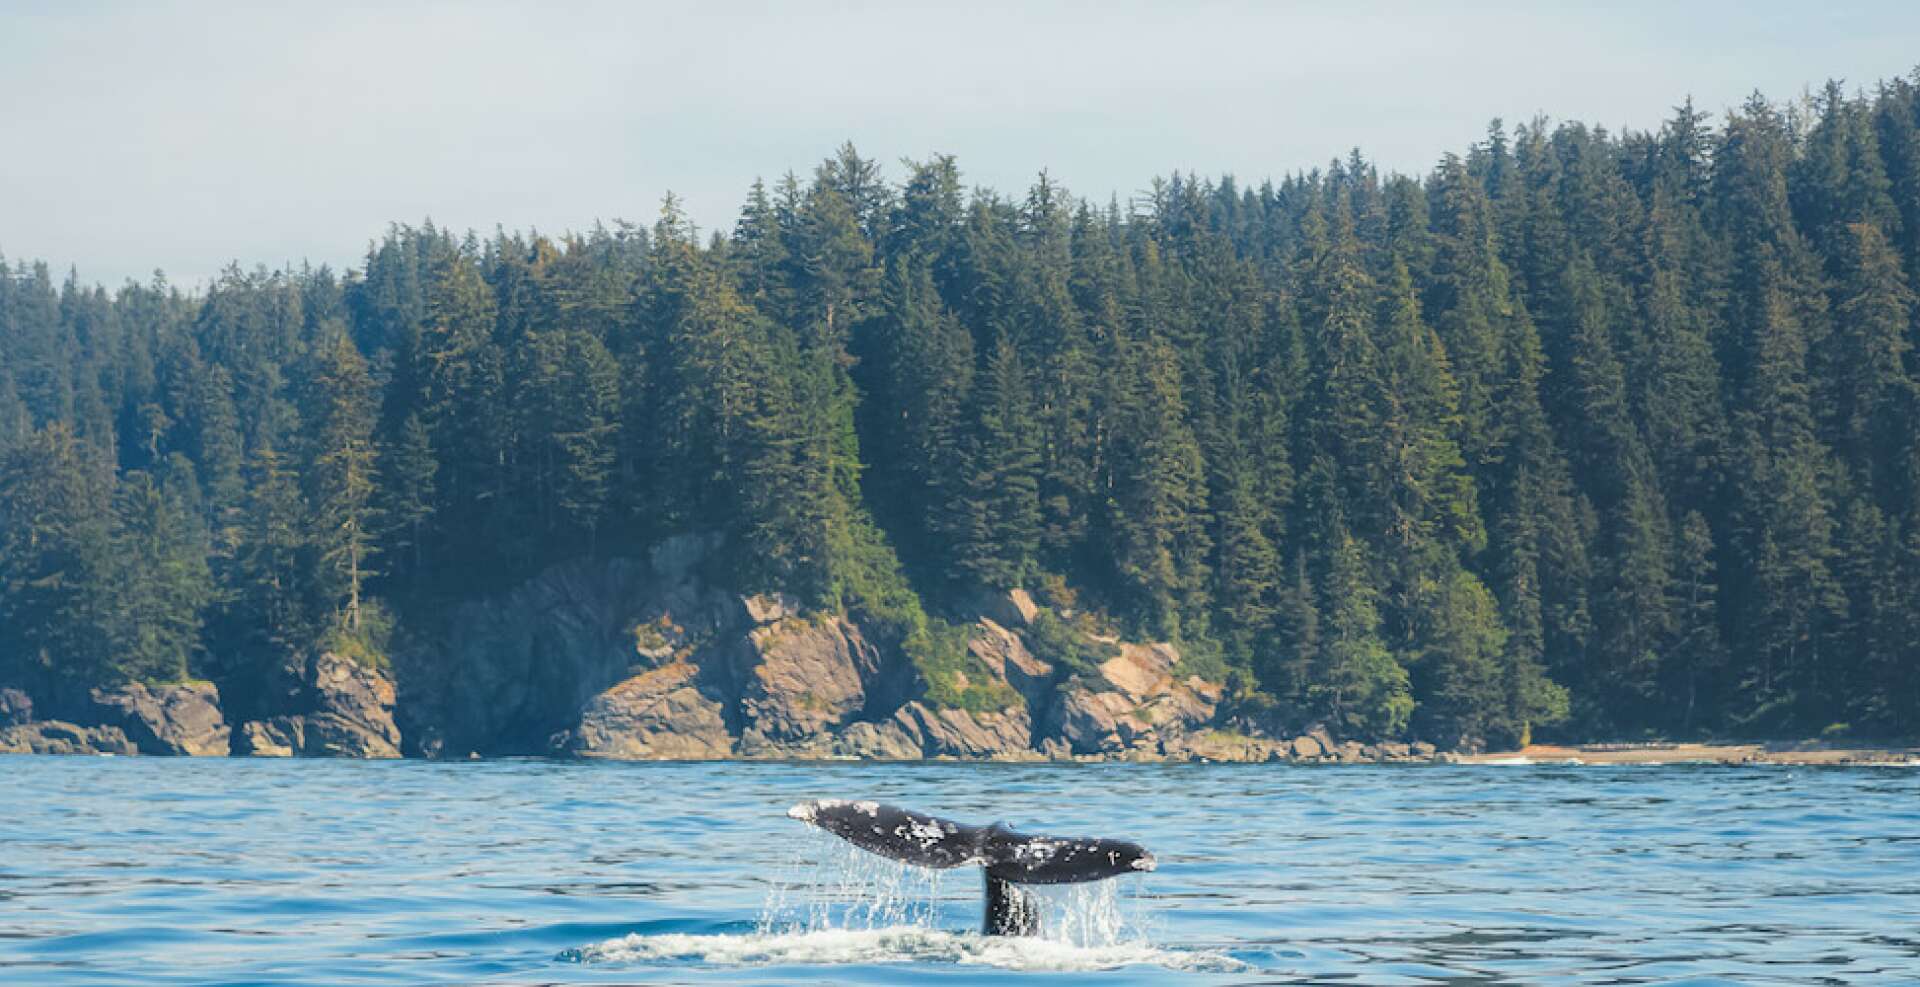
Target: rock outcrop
{"points": [[803, 678], [348, 711], [182, 718], [1006, 656], [511, 671], [1000, 734], [1137, 702], [661, 713], [61, 737], [16, 708]]}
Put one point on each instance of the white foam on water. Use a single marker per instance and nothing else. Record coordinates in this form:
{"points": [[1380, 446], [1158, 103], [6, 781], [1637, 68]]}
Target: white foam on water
{"points": [[845, 906], [897, 945]]}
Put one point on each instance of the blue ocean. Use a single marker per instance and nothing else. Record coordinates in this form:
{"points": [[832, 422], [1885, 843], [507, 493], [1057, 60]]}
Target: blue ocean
{"points": [[150, 871]]}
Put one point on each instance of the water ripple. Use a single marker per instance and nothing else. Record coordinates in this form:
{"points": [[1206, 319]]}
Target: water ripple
{"points": [[127, 870]]}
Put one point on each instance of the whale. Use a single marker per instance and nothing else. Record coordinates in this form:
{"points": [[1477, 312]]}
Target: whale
{"points": [[1006, 858]]}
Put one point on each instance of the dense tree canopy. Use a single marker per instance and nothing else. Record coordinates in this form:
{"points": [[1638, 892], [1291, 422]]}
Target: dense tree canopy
{"points": [[1604, 434]]}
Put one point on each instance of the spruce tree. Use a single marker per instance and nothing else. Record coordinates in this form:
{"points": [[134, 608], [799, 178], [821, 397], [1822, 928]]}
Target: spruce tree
{"points": [[343, 477]]}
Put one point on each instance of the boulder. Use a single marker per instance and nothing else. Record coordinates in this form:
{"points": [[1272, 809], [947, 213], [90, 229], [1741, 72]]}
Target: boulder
{"points": [[16, 708], [802, 678], [183, 718], [1306, 747], [61, 737], [662, 713], [965, 733]]}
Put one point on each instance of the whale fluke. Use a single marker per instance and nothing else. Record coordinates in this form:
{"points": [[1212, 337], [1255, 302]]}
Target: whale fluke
{"points": [[1007, 857]]}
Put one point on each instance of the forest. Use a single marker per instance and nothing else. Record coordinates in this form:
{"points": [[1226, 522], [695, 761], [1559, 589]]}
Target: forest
{"points": [[1582, 434]]}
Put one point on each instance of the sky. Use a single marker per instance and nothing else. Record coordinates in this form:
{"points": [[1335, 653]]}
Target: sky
{"points": [[183, 136]]}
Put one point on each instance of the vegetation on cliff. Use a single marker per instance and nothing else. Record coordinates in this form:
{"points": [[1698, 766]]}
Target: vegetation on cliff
{"points": [[1614, 431]]}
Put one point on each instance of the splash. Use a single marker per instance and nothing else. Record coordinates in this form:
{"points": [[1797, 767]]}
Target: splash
{"points": [[895, 945], [842, 906]]}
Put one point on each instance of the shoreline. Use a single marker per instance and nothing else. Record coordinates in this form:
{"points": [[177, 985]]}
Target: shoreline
{"points": [[1784, 753], [1803, 752]]}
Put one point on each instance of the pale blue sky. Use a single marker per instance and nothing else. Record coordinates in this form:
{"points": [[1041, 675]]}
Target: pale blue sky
{"points": [[184, 135]]}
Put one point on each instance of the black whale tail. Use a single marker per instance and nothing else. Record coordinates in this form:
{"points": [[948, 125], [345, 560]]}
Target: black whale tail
{"points": [[1008, 858]]}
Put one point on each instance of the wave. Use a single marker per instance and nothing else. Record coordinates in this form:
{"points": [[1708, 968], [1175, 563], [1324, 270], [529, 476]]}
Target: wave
{"points": [[895, 945]]}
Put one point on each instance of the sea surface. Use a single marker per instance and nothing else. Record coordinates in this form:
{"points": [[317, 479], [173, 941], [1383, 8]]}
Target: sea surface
{"points": [[151, 871]]}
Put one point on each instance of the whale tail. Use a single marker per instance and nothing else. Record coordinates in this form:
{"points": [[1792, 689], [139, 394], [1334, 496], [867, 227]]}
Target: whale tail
{"points": [[1008, 858]]}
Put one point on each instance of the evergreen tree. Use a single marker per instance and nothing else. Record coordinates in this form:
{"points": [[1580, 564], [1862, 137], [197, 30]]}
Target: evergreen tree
{"points": [[1355, 681], [1000, 505], [343, 478], [409, 467], [160, 584]]}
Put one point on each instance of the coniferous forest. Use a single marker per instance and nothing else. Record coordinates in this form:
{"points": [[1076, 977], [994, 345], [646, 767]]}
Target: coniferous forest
{"points": [[1597, 434]]}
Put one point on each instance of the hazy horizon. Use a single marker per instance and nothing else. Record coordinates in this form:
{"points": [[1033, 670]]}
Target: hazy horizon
{"points": [[177, 137]]}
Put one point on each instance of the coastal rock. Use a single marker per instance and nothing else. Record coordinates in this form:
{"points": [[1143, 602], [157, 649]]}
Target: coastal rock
{"points": [[61, 737], [968, 734], [661, 713], [1223, 746], [1006, 656], [877, 742], [352, 710], [1306, 748], [800, 678], [347, 710], [182, 719], [282, 736], [1134, 701], [512, 670], [16, 707]]}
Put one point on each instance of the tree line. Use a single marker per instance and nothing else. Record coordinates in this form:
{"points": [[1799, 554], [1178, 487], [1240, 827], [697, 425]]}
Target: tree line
{"points": [[1610, 434]]}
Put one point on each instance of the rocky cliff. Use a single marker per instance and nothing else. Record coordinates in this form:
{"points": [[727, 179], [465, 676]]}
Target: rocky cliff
{"points": [[648, 658]]}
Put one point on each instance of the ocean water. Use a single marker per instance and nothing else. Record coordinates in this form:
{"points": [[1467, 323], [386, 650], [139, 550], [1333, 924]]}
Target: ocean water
{"points": [[150, 871]]}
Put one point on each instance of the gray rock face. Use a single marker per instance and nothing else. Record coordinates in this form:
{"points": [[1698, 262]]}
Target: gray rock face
{"points": [[167, 719], [632, 659], [1135, 703], [1005, 655], [60, 737], [349, 713], [960, 733], [801, 678], [353, 710], [282, 736], [16, 707], [515, 669], [878, 742], [660, 713]]}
